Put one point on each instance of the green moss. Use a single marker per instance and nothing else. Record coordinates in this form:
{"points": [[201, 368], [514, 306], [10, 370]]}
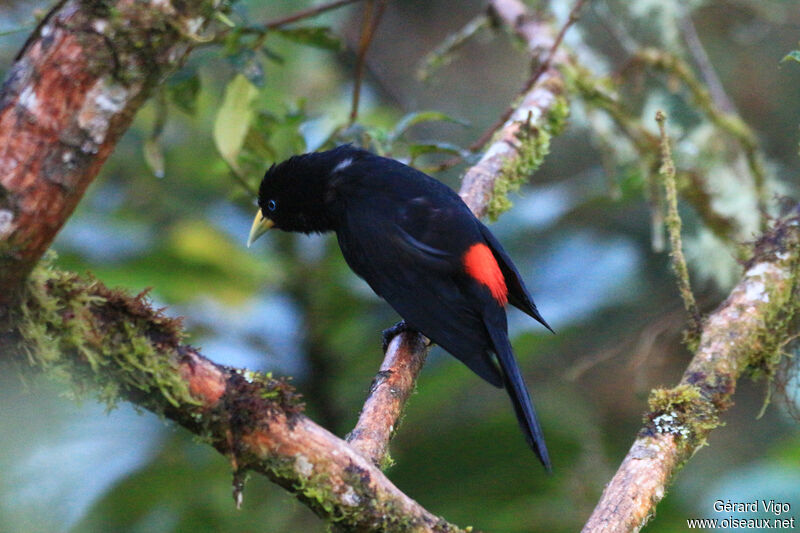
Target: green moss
{"points": [[360, 508], [106, 341], [134, 37], [691, 410], [558, 115], [386, 462], [534, 146], [673, 222], [683, 411], [99, 339], [765, 351]]}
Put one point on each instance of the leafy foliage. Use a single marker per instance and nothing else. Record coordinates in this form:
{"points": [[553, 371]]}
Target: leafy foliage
{"points": [[234, 117]]}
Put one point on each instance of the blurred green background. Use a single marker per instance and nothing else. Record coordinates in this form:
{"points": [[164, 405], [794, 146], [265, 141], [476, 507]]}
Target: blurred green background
{"points": [[579, 233]]}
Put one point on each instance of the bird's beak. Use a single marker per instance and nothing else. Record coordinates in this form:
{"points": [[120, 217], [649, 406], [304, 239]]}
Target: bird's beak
{"points": [[260, 226]]}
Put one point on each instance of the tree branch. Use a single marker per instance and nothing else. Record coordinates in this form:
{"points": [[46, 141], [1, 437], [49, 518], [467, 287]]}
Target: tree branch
{"points": [[107, 341], [312, 11], [508, 12], [387, 397], [68, 99], [72, 92], [371, 18], [600, 93], [520, 145], [674, 224], [747, 331]]}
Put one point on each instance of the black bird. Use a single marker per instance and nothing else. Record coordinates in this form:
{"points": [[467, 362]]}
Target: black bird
{"points": [[420, 248]]}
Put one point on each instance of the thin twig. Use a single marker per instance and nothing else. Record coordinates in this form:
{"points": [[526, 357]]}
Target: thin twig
{"points": [[731, 123], [574, 15], [703, 62], [262, 30], [307, 13], [487, 135], [655, 201], [674, 227], [443, 53], [369, 24]]}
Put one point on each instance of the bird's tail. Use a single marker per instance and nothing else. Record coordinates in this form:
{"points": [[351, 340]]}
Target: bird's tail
{"points": [[515, 385]]}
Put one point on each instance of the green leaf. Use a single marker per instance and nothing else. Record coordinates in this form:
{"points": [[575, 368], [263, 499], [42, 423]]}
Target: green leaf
{"points": [[234, 117], [273, 56], [417, 117], [275, 137], [222, 17], [153, 151], [183, 89], [154, 156], [794, 55], [416, 150], [318, 36]]}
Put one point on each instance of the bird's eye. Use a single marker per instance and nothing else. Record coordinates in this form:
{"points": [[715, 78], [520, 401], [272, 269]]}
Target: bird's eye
{"points": [[272, 205]]}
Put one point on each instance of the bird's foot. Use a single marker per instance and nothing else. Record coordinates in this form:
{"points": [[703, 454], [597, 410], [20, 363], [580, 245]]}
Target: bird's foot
{"points": [[390, 333]]}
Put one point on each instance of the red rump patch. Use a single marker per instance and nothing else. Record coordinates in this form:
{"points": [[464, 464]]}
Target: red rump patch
{"points": [[480, 263]]}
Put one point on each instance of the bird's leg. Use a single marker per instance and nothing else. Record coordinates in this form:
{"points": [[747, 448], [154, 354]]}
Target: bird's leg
{"points": [[390, 333]]}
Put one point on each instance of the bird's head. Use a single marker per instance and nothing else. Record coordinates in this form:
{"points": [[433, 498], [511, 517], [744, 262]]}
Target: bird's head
{"points": [[299, 194]]}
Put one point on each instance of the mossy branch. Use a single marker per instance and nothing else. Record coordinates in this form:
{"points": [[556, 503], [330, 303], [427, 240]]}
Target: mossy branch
{"points": [[728, 122], [522, 138], [747, 331], [388, 394], [118, 347], [673, 221], [601, 94], [67, 99]]}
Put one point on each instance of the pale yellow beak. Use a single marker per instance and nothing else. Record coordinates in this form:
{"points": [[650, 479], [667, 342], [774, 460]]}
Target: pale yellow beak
{"points": [[261, 225]]}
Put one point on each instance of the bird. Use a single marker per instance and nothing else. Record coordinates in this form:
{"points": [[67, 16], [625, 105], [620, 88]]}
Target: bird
{"points": [[420, 248]]}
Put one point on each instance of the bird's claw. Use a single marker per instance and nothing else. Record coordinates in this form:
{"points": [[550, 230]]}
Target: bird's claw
{"points": [[390, 333]]}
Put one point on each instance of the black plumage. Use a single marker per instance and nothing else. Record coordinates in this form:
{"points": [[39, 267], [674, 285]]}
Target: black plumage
{"points": [[419, 247]]}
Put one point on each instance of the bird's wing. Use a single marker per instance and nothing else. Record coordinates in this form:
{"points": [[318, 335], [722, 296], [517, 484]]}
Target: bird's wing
{"points": [[402, 257], [518, 294]]}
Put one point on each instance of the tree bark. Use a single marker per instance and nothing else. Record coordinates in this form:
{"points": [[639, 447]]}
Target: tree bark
{"points": [[70, 95], [747, 331], [119, 347]]}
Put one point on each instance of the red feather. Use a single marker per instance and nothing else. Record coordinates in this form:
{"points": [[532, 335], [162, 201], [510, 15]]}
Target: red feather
{"points": [[480, 263]]}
